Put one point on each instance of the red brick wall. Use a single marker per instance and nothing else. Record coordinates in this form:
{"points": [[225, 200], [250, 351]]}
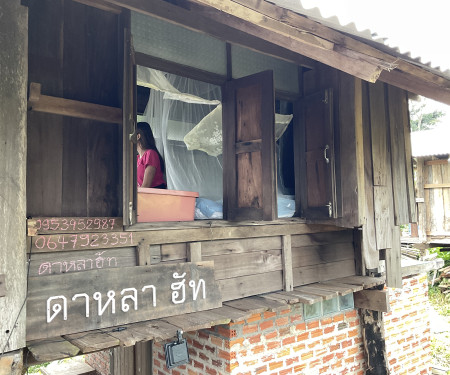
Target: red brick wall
{"points": [[274, 343], [100, 361], [407, 328]]}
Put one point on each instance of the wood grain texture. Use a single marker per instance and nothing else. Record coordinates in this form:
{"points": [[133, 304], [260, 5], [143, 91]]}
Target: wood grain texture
{"points": [[42, 264], [375, 300], [383, 227], [13, 159], [112, 281], [47, 351], [394, 261], [286, 253], [244, 286], [370, 253], [323, 272], [398, 156]]}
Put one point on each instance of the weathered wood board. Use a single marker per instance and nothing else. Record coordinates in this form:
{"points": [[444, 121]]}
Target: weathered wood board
{"points": [[2, 286], [76, 261], [323, 272], [376, 300], [84, 301], [55, 225]]}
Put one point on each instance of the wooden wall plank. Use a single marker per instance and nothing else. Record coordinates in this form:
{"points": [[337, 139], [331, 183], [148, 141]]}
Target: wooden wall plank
{"points": [[370, 253], [320, 254], [103, 170], [393, 261], [383, 227], [380, 159], [321, 238], [409, 159], [381, 162], [236, 265], [244, 286], [323, 272], [398, 157], [351, 151], [222, 247]]}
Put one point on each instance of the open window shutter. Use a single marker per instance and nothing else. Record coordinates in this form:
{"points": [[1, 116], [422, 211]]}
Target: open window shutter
{"points": [[314, 133], [129, 127], [249, 148]]}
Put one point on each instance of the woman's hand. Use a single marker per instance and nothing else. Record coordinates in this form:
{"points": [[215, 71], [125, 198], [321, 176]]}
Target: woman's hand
{"points": [[149, 174]]}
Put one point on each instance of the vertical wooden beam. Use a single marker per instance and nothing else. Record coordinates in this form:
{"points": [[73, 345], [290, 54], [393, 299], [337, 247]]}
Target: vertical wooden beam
{"points": [[286, 253], [369, 249], [143, 254], [143, 358], [409, 160], [13, 159], [374, 344], [398, 159], [194, 252], [393, 261]]}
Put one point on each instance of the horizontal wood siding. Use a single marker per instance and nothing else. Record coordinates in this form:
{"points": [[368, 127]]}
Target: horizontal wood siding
{"points": [[323, 257]]}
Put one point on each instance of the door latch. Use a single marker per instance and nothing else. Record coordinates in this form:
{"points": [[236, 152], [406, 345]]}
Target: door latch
{"points": [[325, 154], [330, 209]]}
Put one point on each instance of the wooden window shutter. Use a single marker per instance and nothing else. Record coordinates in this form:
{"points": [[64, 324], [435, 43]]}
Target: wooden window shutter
{"points": [[129, 127], [249, 148], [314, 138]]}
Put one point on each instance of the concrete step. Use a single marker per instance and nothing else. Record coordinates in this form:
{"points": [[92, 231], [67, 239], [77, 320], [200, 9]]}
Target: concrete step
{"points": [[68, 368]]}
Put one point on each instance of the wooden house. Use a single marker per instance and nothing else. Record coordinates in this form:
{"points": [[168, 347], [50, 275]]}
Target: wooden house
{"points": [[79, 272]]}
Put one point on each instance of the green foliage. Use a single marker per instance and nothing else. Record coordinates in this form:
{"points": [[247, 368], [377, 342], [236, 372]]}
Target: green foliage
{"points": [[36, 369], [441, 254], [421, 120]]}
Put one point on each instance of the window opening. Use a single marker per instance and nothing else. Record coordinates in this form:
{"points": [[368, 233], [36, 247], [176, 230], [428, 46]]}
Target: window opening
{"points": [[176, 108], [186, 120], [285, 158]]}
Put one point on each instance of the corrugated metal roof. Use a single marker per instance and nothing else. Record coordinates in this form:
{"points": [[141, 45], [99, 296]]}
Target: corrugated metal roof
{"points": [[431, 142], [366, 36]]}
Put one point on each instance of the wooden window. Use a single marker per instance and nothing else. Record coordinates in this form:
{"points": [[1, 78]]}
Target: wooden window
{"points": [[314, 136], [249, 148]]}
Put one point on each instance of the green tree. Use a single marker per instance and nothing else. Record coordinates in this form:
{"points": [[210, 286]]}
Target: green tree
{"points": [[421, 119]]}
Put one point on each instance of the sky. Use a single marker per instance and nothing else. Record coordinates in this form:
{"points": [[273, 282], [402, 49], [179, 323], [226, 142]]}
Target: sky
{"points": [[416, 26]]}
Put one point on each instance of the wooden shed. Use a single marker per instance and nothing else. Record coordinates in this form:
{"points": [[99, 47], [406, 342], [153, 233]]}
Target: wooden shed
{"points": [[431, 152], [80, 272]]}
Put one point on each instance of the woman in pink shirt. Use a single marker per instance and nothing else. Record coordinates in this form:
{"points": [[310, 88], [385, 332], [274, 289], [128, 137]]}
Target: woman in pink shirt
{"points": [[150, 164]]}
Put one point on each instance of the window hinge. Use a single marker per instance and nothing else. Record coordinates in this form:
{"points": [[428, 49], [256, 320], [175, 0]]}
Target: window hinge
{"points": [[130, 212]]}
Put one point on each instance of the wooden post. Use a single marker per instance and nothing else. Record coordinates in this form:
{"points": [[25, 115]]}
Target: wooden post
{"points": [[286, 251], [374, 344], [13, 161], [194, 252]]}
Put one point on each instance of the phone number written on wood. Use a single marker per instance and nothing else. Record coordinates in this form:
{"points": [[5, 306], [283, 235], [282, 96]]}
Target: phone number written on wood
{"points": [[81, 241], [47, 225]]}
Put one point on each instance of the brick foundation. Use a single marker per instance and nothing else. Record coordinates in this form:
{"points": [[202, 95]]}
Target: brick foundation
{"points": [[283, 343], [100, 361], [274, 343], [407, 328]]}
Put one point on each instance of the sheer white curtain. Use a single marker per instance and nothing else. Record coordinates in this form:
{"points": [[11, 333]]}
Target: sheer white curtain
{"points": [[176, 105]]}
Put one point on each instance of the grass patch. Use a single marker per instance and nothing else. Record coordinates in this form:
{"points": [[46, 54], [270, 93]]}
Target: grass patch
{"points": [[439, 301]]}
